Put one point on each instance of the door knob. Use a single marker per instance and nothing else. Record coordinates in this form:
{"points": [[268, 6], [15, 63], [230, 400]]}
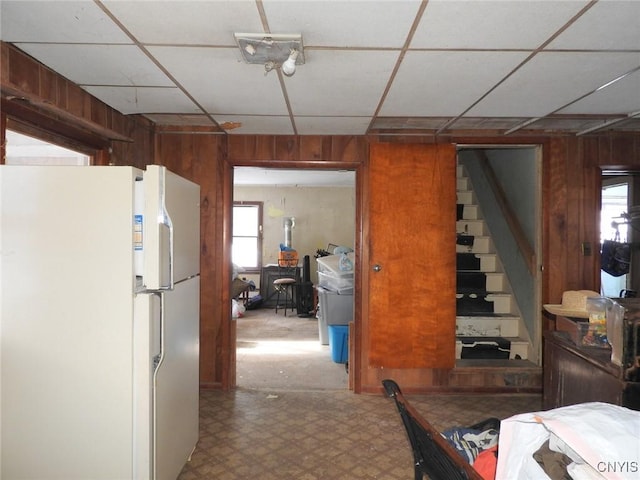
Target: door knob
{"points": [[377, 268]]}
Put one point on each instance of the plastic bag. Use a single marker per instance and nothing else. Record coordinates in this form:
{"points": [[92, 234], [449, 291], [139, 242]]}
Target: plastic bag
{"points": [[600, 438], [345, 264]]}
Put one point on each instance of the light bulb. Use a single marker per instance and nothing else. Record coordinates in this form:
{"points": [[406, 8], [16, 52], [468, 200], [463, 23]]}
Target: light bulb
{"points": [[289, 66]]}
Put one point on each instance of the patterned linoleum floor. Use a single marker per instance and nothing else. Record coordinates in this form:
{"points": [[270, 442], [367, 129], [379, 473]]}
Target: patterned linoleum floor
{"points": [[336, 435], [297, 421]]}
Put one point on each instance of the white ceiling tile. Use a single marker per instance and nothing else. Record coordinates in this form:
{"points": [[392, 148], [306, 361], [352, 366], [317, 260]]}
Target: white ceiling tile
{"points": [[344, 24], [221, 82], [340, 83], [332, 125], [61, 22], [622, 96], [187, 22], [608, 25], [257, 125], [552, 80], [144, 99], [445, 83], [123, 65], [461, 53], [491, 24]]}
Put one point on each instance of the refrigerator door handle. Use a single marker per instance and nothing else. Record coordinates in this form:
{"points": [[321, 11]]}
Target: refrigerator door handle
{"points": [[159, 237], [167, 282]]}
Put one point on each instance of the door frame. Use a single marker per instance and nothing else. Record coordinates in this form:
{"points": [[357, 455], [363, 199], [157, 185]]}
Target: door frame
{"points": [[229, 332], [538, 150]]}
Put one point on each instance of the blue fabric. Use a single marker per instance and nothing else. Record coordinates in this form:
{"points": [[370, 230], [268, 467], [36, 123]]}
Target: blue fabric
{"points": [[469, 443]]}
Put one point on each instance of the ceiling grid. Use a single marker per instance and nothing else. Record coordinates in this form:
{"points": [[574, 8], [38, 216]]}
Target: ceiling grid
{"points": [[371, 66]]}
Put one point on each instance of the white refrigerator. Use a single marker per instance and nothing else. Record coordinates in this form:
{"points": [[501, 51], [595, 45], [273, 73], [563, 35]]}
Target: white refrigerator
{"points": [[99, 322]]}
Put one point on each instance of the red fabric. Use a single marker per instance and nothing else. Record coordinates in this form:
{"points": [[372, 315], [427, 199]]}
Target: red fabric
{"points": [[486, 462]]}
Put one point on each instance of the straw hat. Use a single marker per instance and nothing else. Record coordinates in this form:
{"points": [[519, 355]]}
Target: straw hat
{"points": [[574, 304]]}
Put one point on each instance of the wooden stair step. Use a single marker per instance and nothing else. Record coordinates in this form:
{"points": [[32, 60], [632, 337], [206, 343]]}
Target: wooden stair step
{"points": [[481, 244], [519, 347], [480, 282], [468, 212], [471, 282], [463, 183], [502, 302], [490, 302], [471, 227], [465, 197], [470, 303], [482, 262], [497, 325], [481, 363], [468, 262]]}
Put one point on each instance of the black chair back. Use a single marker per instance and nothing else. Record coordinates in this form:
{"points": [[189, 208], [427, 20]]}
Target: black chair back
{"points": [[432, 454]]}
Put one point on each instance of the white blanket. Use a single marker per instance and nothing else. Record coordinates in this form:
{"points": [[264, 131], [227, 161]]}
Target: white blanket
{"points": [[603, 441]]}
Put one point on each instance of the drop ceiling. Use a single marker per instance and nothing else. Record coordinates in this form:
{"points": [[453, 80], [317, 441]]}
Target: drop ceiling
{"points": [[403, 66]]}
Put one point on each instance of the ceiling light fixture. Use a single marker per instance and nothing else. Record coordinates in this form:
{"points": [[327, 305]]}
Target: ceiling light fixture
{"points": [[273, 51]]}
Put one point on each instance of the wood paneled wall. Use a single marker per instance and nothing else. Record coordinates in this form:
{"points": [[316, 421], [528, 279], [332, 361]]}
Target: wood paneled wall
{"points": [[313, 151], [571, 185], [571, 198]]}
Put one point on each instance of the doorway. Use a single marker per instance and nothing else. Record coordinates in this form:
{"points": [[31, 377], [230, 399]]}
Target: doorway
{"points": [[615, 223], [309, 211]]}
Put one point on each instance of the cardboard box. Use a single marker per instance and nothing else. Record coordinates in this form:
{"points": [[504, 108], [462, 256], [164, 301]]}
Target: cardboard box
{"points": [[288, 258]]}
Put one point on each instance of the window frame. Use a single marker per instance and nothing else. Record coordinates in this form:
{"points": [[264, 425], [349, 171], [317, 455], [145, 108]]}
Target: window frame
{"points": [[259, 238]]}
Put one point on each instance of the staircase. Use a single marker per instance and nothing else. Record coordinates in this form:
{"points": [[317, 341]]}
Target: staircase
{"points": [[489, 329]]}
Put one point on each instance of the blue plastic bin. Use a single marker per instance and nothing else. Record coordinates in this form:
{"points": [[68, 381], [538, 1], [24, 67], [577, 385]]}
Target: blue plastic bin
{"points": [[339, 343]]}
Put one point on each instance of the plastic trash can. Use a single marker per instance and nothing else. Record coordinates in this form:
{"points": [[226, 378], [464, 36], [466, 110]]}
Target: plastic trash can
{"points": [[339, 343]]}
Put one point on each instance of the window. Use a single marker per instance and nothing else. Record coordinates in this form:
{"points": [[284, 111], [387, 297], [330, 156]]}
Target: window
{"points": [[614, 223], [27, 150], [246, 249]]}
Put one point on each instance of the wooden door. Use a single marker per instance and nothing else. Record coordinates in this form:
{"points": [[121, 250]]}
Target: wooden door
{"points": [[412, 238]]}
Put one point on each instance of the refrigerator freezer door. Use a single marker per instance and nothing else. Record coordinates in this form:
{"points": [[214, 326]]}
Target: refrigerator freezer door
{"points": [[176, 383], [171, 228]]}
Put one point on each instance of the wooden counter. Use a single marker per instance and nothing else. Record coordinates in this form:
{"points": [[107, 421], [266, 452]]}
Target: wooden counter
{"points": [[575, 374]]}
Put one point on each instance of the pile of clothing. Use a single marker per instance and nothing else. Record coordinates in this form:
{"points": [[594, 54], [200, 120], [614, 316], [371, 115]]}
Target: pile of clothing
{"points": [[478, 445]]}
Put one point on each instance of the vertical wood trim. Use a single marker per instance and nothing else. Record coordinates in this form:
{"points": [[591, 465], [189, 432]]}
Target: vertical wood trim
{"points": [[228, 324], [361, 284]]}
